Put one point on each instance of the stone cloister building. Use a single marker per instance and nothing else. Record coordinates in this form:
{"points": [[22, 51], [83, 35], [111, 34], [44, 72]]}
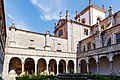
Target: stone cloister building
{"points": [[100, 52], [86, 44]]}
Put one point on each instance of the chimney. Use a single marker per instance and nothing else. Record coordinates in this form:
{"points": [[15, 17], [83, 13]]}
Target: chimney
{"points": [[103, 6], [76, 17], [67, 15], [13, 23], [76, 13], [60, 15]]}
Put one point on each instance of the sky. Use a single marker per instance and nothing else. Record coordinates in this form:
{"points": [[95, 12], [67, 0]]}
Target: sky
{"points": [[40, 15]]}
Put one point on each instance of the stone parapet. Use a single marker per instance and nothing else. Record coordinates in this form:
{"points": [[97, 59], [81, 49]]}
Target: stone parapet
{"points": [[37, 52], [100, 51]]}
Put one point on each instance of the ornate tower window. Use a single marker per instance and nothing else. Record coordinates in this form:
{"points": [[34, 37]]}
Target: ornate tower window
{"points": [[60, 33], [99, 18], [83, 20]]}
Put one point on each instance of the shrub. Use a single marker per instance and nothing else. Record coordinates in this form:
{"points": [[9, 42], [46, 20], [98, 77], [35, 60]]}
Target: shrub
{"points": [[28, 76]]}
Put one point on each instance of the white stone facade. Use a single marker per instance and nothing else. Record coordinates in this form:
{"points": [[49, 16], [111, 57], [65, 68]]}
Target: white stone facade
{"points": [[75, 47]]}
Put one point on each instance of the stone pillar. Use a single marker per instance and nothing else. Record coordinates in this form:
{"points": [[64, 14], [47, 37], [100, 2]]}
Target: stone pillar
{"points": [[36, 67], [111, 66], [87, 67], [57, 68], [22, 67], [74, 68], [79, 68], [5, 74], [47, 67], [97, 67], [66, 66]]}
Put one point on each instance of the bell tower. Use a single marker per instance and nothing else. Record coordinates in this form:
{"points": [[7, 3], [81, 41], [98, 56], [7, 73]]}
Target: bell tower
{"points": [[91, 13], [61, 26]]}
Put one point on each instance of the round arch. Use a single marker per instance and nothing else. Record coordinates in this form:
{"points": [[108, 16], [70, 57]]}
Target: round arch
{"points": [[41, 66], [52, 66], [104, 66], [116, 63], [16, 65], [62, 66], [71, 66], [29, 65], [92, 66], [83, 66]]}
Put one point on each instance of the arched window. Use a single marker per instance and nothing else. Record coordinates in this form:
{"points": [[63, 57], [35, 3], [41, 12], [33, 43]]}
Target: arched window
{"points": [[83, 48], [109, 42], [94, 45], [83, 20], [89, 46], [60, 33], [99, 18]]}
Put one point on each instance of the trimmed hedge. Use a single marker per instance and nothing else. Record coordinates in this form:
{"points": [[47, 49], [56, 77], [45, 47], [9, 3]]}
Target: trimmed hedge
{"points": [[37, 77], [68, 77]]}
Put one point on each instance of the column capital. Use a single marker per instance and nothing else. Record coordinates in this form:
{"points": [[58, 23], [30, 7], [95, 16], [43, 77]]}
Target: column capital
{"points": [[22, 62]]}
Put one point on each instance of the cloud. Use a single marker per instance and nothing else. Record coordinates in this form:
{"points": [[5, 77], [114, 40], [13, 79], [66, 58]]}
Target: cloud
{"points": [[10, 16], [50, 9], [22, 25], [18, 23]]}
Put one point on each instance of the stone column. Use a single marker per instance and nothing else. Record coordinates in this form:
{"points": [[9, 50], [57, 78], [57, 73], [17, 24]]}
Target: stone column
{"points": [[87, 67], [57, 68], [66, 67], [111, 66], [79, 68], [36, 67], [5, 70], [97, 67], [47, 67], [22, 67], [74, 68]]}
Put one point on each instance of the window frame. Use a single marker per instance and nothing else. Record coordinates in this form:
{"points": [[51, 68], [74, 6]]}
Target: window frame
{"points": [[60, 33], [118, 39]]}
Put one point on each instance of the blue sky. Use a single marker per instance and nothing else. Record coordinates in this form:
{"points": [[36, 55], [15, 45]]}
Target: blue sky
{"points": [[39, 15]]}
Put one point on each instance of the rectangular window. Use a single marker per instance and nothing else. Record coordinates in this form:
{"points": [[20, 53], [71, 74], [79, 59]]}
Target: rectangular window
{"points": [[31, 40], [118, 38], [59, 47], [94, 46], [85, 31], [89, 46], [31, 47], [83, 48]]}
